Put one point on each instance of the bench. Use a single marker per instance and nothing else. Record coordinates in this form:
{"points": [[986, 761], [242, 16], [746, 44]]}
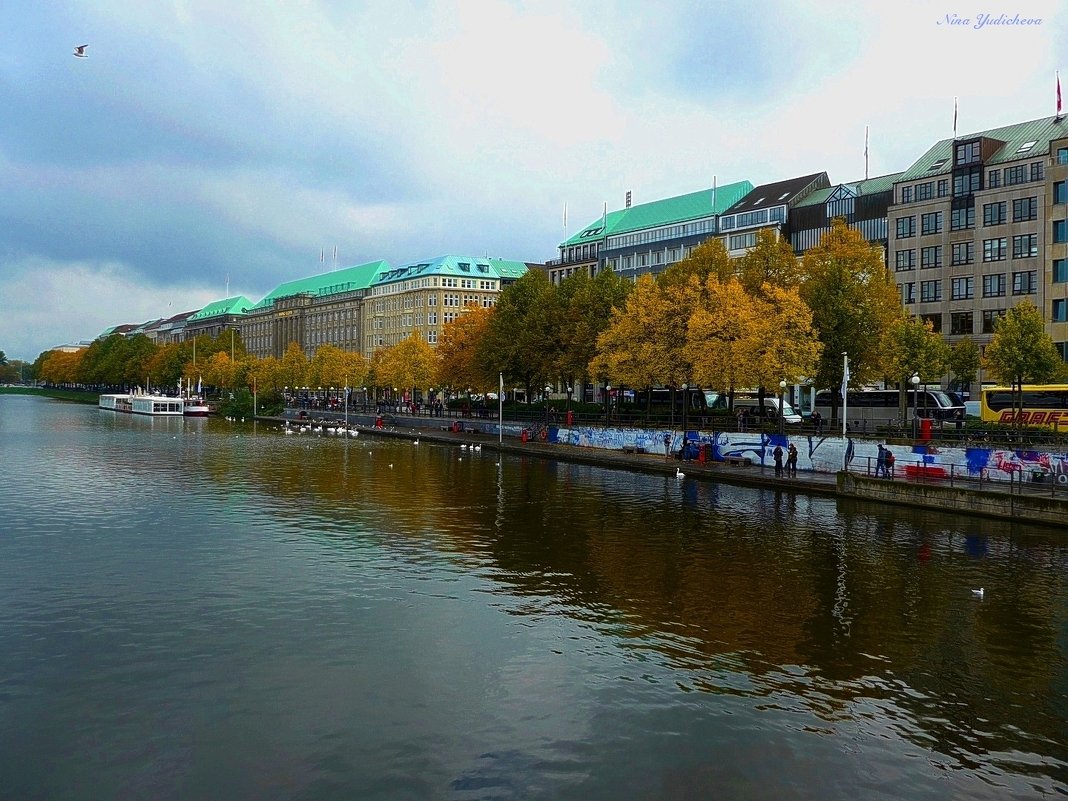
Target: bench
{"points": [[738, 461], [629, 449]]}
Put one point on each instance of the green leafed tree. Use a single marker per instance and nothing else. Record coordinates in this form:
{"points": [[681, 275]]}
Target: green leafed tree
{"points": [[964, 362], [854, 305], [1021, 351]]}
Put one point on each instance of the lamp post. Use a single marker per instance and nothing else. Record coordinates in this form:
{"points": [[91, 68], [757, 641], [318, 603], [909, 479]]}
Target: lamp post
{"points": [[548, 389], [915, 380], [607, 403], [782, 392], [685, 403]]}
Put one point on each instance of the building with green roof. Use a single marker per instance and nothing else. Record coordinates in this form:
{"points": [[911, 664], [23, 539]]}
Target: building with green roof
{"points": [[317, 310], [217, 316], [421, 297], [648, 237], [862, 204], [979, 223]]}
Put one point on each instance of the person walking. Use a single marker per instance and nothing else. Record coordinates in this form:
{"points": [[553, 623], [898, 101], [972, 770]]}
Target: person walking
{"points": [[667, 445], [888, 464], [880, 462], [777, 453], [817, 422], [791, 461]]}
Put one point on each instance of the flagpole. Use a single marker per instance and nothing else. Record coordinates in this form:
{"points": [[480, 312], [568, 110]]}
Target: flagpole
{"points": [[865, 152], [500, 409], [845, 391], [1058, 94], [954, 116]]}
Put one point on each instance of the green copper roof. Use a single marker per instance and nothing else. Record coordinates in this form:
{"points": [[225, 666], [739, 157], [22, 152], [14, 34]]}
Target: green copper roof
{"points": [[235, 305], [462, 266], [681, 208], [331, 283], [939, 159], [868, 186]]}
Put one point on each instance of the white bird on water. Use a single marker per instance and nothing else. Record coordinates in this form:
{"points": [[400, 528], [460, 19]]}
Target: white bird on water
{"points": [[978, 593], [79, 51], [679, 474]]}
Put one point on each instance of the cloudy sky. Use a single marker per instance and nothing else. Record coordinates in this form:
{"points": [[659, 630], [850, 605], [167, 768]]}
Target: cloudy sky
{"points": [[206, 142]]}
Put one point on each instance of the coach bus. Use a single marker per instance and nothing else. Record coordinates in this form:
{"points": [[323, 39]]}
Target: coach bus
{"points": [[881, 406], [1042, 405]]}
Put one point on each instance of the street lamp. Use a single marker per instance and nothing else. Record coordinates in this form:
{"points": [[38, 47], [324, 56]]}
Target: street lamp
{"points": [[782, 392], [915, 380], [607, 403], [685, 403], [548, 389]]}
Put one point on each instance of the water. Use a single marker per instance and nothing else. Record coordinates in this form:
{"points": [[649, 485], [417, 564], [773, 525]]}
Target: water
{"points": [[192, 609]]}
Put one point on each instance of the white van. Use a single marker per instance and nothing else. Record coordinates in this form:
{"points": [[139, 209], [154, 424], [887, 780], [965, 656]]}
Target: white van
{"points": [[771, 409]]}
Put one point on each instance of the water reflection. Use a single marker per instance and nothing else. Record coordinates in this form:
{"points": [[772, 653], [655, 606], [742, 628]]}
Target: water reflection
{"points": [[813, 621]]}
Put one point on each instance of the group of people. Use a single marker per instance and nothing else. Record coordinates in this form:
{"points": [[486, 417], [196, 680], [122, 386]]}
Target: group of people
{"points": [[884, 463], [791, 461]]}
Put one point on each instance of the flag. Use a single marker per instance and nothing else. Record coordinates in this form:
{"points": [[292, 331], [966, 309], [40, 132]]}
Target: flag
{"points": [[1058, 94], [845, 377], [198, 385], [565, 216], [954, 117], [322, 255]]}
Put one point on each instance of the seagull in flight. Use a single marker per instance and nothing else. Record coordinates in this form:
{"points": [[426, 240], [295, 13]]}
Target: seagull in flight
{"points": [[79, 51]]}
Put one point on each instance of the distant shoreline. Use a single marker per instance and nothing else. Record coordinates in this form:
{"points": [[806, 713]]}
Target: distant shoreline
{"points": [[56, 394]]}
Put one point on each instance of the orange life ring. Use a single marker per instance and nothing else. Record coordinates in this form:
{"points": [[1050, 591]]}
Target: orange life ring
{"points": [[544, 434]]}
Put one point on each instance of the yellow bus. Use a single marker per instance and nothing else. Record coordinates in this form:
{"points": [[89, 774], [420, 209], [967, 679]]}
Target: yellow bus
{"points": [[1043, 405]]}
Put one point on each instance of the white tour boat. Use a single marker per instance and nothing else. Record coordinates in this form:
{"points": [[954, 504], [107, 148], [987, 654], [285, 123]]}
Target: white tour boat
{"points": [[154, 405]]}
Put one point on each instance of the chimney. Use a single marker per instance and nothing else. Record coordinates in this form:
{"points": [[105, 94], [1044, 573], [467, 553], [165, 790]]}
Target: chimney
{"points": [[628, 200]]}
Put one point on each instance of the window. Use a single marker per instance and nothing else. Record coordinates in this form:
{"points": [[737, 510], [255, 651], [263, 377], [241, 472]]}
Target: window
{"points": [[778, 214], [1016, 175], [994, 213], [995, 249], [1025, 283], [1062, 155], [965, 183], [962, 219], [906, 227], [931, 223], [935, 320], [960, 323], [930, 291], [906, 194], [1025, 209], [743, 241], [963, 252], [968, 153], [1025, 246], [963, 288], [943, 187], [993, 179], [1060, 271], [991, 316], [1038, 171], [908, 293], [931, 257], [1060, 311], [924, 191], [905, 260], [1060, 231], [1060, 191], [994, 285]]}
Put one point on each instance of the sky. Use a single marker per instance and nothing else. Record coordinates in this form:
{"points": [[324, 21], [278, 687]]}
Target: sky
{"points": [[208, 149]]}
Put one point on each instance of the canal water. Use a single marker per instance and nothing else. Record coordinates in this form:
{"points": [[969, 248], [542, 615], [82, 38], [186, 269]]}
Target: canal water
{"points": [[197, 609]]}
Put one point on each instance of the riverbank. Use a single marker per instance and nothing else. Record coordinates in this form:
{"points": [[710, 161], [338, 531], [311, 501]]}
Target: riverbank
{"points": [[49, 392], [924, 488]]}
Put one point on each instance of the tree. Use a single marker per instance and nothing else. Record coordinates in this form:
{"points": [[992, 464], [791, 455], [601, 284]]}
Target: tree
{"points": [[854, 304], [964, 361], [708, 258], [915, 347], [790, 347], [724, 338], [457, 350], [771, 261], [294, 366], [588, 304], [514, 343], [1021, 351], [410, 364]]}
